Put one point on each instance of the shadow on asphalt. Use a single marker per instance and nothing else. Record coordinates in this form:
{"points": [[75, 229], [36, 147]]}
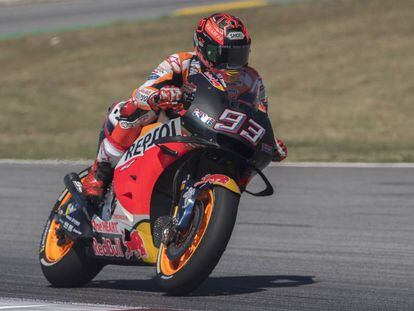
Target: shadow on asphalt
{"points": [[214, 286]]}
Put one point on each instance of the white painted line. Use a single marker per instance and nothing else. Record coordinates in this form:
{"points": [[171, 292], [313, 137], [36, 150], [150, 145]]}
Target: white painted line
{"points": [[34, 304], [274, 164], [19, 307]]}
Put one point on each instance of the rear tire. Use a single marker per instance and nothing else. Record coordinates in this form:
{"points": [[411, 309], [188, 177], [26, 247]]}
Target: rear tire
{"points": [[66, 266], [207, 253]]}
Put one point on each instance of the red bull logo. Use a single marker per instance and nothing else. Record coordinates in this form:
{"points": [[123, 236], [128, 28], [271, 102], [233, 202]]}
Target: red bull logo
{"points": [[213, 80], [135, 246], [213, 179], [106, 248]]}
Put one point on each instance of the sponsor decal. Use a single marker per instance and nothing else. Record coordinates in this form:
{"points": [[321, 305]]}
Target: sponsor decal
{"points": [[78, 185], [44, 235], [119, 216], [194, 67], [189, 193], [159, 71], [128, 124], [215, 32], [174, 62], [163, 68], [188, 197], [144, 119], [266, 148], [212, 179], [70, 224], [106, 248], [153, 76], [145, 91], [105, 226], [235, 35], [127, 166], [146, 142], [203, 117], [142, 97], [213, 80], [135, 246], [70, 208], [73, 220]]}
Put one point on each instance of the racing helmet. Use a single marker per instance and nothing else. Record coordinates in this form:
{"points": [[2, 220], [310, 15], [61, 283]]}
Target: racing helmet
{"points": [[222, 41]]}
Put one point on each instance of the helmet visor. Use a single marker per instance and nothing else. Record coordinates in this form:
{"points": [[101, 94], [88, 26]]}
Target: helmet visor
{"points": [[228, 57]]}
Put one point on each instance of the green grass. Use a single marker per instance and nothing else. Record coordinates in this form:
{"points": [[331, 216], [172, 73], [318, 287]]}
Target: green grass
{"points": [[339, 75]]}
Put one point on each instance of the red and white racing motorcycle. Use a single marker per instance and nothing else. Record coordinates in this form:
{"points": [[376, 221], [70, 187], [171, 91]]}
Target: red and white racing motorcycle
{"points": [[174, 198]]}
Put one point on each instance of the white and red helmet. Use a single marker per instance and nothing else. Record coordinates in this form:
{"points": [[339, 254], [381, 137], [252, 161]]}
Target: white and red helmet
{"points": [[222, 41]]}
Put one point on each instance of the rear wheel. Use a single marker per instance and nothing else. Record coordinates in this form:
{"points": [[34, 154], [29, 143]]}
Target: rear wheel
{"points": [[65, 265], [215, 213]]}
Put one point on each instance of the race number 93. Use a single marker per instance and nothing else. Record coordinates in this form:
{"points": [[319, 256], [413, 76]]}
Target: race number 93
{"points": [[232, 121]]}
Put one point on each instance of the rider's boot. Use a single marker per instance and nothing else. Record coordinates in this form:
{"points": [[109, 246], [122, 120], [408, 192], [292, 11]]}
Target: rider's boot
{"points": [[75, 223], [97, 181]]}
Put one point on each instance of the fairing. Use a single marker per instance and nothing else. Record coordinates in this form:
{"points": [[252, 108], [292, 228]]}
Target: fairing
{"points": [[142, 165]]}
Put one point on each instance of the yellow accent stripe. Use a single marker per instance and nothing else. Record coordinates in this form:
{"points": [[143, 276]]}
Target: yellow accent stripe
{"points": [[220, 7]]}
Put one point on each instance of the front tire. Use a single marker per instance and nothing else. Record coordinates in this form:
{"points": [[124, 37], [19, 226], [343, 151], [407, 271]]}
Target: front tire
{"points": [[183, 275], [66, 265]]}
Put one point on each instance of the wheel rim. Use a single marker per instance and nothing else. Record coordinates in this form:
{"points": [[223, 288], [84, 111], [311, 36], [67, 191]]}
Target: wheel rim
{"points": [[54, 252], [170, 267]]}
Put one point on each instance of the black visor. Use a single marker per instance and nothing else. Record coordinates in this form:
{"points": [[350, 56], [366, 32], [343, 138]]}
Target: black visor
{"points": [[228, 57]]}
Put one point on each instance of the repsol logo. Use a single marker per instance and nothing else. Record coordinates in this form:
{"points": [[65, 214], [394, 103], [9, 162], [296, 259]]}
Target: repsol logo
{"points": [[142, 144]]}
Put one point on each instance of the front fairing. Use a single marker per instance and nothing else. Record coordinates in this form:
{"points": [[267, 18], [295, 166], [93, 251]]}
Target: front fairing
{"points": [[211, 100]]}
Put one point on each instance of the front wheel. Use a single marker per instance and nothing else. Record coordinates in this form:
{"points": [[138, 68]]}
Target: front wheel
{"points": [[65, 265], [214, 217]]}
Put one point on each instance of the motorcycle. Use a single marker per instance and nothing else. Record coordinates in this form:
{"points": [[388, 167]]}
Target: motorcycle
{"points": [[174, 197]]}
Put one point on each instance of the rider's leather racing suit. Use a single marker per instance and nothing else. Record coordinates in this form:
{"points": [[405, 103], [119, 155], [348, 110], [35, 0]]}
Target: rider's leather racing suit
{"points": [[125, 119]]}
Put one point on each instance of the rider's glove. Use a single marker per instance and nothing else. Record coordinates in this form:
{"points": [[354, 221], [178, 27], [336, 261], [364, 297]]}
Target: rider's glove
{"points": [[168, 97], [280, 152], [170, 93]]}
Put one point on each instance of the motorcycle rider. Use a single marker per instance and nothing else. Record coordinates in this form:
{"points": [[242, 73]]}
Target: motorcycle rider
{"points": [[221, 46]]}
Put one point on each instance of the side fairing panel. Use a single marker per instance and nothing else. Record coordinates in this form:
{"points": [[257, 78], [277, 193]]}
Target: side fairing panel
{"points": [[141, 166]]}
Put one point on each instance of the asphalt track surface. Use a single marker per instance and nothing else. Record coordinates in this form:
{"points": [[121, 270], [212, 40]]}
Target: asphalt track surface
{"points": [[331, 239], [20, 19]]}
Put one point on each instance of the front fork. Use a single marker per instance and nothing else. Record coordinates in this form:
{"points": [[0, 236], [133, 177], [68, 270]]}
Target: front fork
{"points": [[190, 190], [182, 212]]}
